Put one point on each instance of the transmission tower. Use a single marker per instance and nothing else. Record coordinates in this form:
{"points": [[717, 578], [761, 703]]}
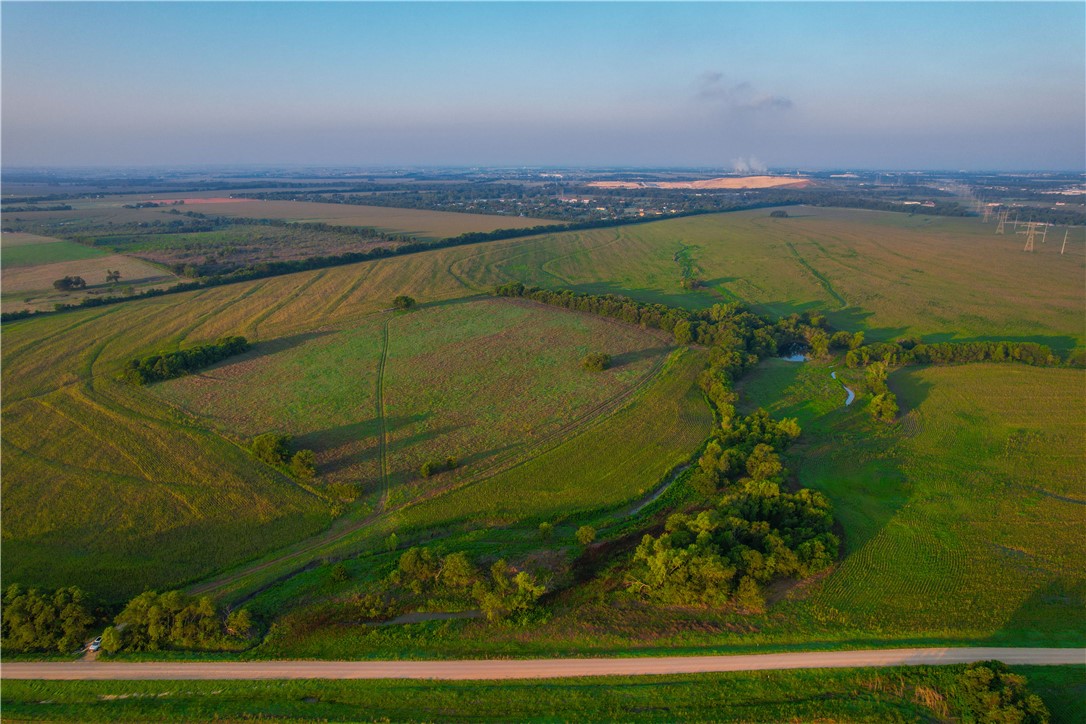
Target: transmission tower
{"points": [[1002, 222], [987, 213], [1031, 233]]}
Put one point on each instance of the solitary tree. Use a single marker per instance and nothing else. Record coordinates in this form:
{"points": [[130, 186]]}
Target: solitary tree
{"points": [[586, 534], [403, 302]]}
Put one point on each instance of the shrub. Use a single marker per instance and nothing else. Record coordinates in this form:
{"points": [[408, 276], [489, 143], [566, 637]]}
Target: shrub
{"points": [[271, 448], [596, 362], [586, 534]]}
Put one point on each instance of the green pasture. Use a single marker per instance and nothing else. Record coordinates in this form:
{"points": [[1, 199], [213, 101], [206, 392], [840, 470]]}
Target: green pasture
{"points": [[889, 274], [963, 518], [901, 694], [51, 252]]}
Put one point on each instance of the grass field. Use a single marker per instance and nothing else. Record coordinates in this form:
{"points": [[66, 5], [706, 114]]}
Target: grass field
{"points": [[178, 501], [886, 273], [958, 521], [885, 695], [965, 517], [480, 381]]}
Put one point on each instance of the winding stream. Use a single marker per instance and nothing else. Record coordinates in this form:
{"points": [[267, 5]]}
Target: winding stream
{"points": [[851, 394], [803, 358]]}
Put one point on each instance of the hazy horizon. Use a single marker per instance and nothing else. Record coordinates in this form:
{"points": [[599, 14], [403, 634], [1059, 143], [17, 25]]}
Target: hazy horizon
{"points": [[881, 86]]}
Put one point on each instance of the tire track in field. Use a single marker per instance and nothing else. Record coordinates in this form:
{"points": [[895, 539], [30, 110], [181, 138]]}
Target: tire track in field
{"points": [[379, 396], [254, 325], [544, 265], [33, 345], [336, 303], [217, 309], [817, 275]]}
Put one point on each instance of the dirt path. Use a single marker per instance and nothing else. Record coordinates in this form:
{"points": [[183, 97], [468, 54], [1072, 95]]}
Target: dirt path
{"points": [[532, 668]]}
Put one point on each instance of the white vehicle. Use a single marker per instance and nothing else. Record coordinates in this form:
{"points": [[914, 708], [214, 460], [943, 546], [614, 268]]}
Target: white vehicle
{"points": [[96, 644]]}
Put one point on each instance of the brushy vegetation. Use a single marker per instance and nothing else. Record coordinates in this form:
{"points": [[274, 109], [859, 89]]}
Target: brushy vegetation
{"points": [[886, 695], [157, 367]]}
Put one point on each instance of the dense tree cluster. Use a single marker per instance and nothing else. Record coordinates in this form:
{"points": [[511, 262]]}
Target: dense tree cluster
{"points": [[757, 534], [153, 621], [168, 365], [35, 620], [742, 450], [69, 283], [911, 352], [501, 592], [992, 693]]}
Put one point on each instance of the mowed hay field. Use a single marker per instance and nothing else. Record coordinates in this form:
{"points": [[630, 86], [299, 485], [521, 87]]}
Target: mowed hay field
{"points": [[890, 274], [964, 519], [479, 380]]}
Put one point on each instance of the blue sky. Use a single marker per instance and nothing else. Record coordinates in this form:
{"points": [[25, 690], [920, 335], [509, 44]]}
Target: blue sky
{"points": [[826, 85]]}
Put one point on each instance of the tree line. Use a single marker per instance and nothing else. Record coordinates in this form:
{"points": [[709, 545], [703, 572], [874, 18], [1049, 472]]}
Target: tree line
{"points": [[910, 351], [62, 621], [165, 366]]}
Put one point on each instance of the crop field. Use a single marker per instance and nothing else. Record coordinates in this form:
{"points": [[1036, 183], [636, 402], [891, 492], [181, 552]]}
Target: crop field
{"points": [[885, 695], [964, 518], [31, 263], [479, 381], [889, 274]]}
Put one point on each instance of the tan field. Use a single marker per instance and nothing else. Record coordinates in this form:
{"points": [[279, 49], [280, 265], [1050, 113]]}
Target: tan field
{"points": [[728, 182]]}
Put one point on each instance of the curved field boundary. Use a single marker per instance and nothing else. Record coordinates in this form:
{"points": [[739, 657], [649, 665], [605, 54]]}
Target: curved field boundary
{"points": [[532, 668], [817, 275], [351, 289]]}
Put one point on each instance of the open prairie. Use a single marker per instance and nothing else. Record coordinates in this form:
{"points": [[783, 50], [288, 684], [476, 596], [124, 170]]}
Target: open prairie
{"points": [[480, 381], [962, 520], [534, 451], [95, 466], [889, 274]]}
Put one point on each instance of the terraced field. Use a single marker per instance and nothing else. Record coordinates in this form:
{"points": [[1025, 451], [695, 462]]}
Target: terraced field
{"points": [[100, 477], [889, 274]]}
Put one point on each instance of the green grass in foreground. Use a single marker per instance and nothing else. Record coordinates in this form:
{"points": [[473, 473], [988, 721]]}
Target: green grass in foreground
{"points": [[965, 515], [902, 694], [47, 253]]}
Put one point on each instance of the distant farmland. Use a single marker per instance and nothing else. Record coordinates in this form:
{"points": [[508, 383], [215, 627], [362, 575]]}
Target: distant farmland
{"points": [[32, 263], [419, 223], [889, 274]]}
